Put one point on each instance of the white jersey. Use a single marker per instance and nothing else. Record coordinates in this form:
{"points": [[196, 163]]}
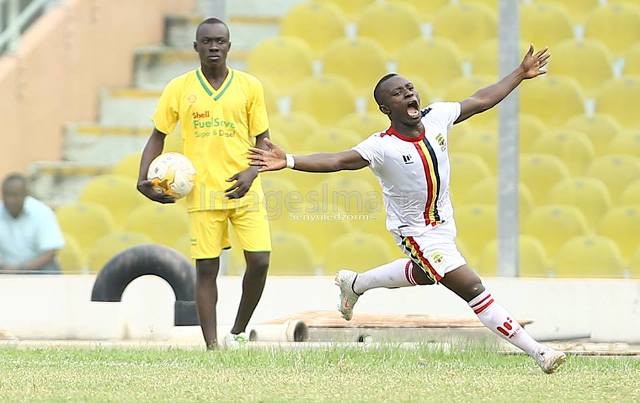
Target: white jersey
{"points": [[414, 172]]}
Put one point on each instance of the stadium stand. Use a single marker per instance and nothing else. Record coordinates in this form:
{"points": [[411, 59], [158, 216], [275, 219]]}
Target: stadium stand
{"points": [[351, 8], [128, 166], [162, 223], [456, 21], [463, 88], [476, 227], [625, 142], [331, 140], [599, 128], [616, 171], [622, 224], [85, 223], [632, 61], [292, 255], [533, 258], [485, 191], [318, 24], [631, 194], [588, 62], [590, 195], [364, 124], [317, 97], [71, 258], [484, 60], [544, 24], [615, 97], [357, 251], [294, 127], [117, 193], [617, 25], [541, 172], [110, 245], [553, 225], [577, 10], [389, 24], [467, 170], [482, 143], [572, 147], [552, 99], [589, 256]]}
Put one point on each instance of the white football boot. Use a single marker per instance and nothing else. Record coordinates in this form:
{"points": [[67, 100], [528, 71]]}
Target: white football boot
{"points": [[348, 298], [235, 341], [549, 359]]}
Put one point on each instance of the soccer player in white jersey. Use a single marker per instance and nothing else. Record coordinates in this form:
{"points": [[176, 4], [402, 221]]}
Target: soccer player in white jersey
{"points": [[410, 159]]}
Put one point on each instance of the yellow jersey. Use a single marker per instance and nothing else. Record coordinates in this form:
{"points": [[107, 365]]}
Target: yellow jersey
{"points": [[217, 129]]}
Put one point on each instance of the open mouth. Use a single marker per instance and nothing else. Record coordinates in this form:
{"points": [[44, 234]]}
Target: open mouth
{"points": [[413, 109]]}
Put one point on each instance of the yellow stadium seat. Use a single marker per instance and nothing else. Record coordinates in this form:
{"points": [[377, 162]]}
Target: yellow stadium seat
{"points": [[128, 166], [292, 255], [183, 245], [457, 134], [631, 194], [589, 256], [486, 192], [331, 140], [163, 223], [465, 87], [632, 61], [117, 194], [484, 144], [303, 181], [554, 225], [599, 128], [477, 226], [588, 62], [485, 59], [424, 93], [318, 24], [540, 172], [85, 223], [437, 61], [622, 225], [577, 10], [281, 195], [270, 96], [110, 245], [351, 194], [283, 61], [457, 21], [351, 8], [634, 265], [616, 171], [552, 99], [616, 96], [318, 97], [533, 259], [173, 142], [590, 195], [544, 24], [424, 8], [466, 170], [70, 257], [625, 143], [531, 128], [357, 251], [617, 25], [389, 24], [572, 147], [365, 124], [294, 127], [361, 61]]}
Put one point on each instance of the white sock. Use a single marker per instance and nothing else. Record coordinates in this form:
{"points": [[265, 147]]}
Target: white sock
{"points": [[398, 273], [501, 322]]}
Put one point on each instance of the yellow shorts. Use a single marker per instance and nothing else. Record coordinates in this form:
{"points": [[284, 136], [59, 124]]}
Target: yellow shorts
{"points": [[210, 230]]}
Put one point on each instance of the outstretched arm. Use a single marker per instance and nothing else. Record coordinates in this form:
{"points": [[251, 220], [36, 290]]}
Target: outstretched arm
{"points": [[532, 66], [275, 159]]}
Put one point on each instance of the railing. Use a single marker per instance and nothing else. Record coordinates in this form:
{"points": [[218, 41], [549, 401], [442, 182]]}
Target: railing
{"points": [[16, 16]]}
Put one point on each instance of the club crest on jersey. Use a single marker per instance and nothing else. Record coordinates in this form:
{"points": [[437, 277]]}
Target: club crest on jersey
{"points": [[437, 257], [407, 159], [441, 142]]}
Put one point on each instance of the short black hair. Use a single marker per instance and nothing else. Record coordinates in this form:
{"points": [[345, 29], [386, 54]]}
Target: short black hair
{"points": [[14, 176], [211, 20], [376, 89]]}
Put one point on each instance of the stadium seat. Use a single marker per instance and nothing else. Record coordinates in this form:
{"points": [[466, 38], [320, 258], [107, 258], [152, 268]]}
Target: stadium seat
{"points": [[318, 97], [631, 194], [351, 8], [425, 8], [477, 226], [588, 62], [349, 193], [632, 61], [128, 166], [424, 92], [457, 21], [626, 142], [552, 99], [531, 128], [572, 147], [303, 181], [389, 24], [600, 129], [281, 195], [110, 245], [85, 223], [577, 10], [486, 192], [270, 96], [283, 61], [616, 171], [361, 61], [617, 25], [533, 259], [331, 140], [554, 225], [437, 61], [117, 194], [292, 255], [70, 257], [466, 170], [544, 25], [357, 251], [318, 24], [485, 59], [482, 143], [465, 87], [162, 223], [616, 96], [622, 225], [294, 127], [589, 256], [590, 195], [364, 124], [540, 172]]}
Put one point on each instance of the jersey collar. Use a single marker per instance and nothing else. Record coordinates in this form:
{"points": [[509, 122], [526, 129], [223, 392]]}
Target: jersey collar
{"points": [[209, 89], [393, 132]]}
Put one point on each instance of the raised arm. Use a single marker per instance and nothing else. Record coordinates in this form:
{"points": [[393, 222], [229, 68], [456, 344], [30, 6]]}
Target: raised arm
{"points": [[275, 159], [532, 66]]}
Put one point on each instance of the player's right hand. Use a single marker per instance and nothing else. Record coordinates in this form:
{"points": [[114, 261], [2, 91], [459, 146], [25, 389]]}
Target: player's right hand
{"points": [[272, 159], [146, 188]]}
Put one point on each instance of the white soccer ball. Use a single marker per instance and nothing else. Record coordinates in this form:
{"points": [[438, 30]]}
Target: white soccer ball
{"points": [[172, 174]]}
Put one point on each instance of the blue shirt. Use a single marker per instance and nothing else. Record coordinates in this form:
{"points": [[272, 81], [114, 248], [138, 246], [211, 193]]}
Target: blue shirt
{"points": [[33, 232]]}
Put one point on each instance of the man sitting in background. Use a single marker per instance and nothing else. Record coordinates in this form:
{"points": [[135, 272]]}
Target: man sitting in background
{"points": [[29, 233]]}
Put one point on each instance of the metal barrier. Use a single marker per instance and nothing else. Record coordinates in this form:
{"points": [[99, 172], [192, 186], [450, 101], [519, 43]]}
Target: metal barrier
{"points": [[15, 18]]}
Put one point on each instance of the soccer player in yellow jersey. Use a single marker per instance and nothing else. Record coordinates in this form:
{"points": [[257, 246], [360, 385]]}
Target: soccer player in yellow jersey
{"points": [[222, 114]]}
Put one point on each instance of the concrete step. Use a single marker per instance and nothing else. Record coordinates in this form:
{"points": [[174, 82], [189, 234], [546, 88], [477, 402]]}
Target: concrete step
{"points": [[133, 107], [94, 144]]}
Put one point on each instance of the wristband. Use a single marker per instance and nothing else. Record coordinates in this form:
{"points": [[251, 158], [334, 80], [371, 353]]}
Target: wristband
{"points": [[291, 162]]}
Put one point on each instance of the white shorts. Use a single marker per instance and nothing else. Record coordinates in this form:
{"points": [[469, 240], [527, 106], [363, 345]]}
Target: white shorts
{"points": [[433, 250]]}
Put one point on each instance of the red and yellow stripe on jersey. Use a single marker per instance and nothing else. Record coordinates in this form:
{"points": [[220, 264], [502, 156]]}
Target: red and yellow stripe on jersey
{"points": [[432, 176]]}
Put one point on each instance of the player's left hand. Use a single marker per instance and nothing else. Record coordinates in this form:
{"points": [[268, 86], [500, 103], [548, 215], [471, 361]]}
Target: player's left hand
{"points": [[243, 181], [533, 65]]}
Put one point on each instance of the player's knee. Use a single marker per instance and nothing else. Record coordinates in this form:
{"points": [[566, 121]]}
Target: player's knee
{"points": [[474, 289], [258, 264], [420, 276]]}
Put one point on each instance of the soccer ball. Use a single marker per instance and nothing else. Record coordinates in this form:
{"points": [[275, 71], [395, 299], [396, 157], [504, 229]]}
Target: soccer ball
{"points": [[172, 174]]}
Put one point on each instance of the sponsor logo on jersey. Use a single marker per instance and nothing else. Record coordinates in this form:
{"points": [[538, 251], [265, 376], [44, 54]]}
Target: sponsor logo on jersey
{"points": [[407, 159], [441, 142]]}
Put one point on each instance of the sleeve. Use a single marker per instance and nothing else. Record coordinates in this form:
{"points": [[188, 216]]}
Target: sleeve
{"points": [[49, 234], [371, 150], [447, 112], [168, 110], [257, 110]]}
